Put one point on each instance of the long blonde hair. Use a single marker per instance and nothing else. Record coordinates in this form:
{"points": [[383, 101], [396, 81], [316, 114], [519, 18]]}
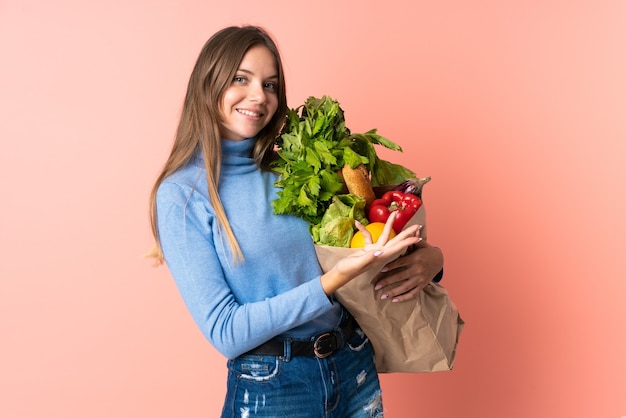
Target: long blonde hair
{"points": [[199, 125]]}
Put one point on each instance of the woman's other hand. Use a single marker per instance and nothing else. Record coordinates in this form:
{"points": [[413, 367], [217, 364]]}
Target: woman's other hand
{"points": [[410, 273]]}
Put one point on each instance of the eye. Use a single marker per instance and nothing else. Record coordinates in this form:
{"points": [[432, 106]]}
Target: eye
{"points": [[239, 79], [271, 86]]}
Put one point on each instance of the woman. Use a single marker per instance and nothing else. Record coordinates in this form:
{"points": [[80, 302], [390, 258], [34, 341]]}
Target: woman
{"points": [[250, 278]]}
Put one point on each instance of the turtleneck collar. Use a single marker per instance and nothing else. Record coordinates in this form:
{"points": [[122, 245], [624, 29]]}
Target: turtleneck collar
{"points": [[237, 155], [238, 148]]}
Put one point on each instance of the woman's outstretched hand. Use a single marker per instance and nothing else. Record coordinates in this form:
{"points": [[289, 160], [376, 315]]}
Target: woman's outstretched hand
{"points": [[374, 256]]}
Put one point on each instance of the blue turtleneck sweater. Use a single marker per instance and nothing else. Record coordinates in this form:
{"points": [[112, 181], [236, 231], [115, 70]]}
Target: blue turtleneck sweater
{"points": [[276, 291]]}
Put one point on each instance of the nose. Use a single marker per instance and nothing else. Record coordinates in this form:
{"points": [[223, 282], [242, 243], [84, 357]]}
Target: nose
{"points": [[257, 93]]}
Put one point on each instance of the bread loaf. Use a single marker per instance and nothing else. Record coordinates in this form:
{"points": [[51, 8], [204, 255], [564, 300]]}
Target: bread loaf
{"points": [[358, 182]]}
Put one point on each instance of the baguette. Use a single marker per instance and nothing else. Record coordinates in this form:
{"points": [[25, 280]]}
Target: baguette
{"points": [[358, 182]]}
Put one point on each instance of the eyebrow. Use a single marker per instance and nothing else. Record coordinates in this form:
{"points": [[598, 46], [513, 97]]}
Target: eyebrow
{"points": [[243, 70]]}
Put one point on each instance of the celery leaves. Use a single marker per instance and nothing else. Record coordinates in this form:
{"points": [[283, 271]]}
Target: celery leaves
{"points": [[313, 146]]}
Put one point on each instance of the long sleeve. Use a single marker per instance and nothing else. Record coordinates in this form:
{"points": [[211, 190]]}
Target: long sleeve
{"points": [[275, 291]]}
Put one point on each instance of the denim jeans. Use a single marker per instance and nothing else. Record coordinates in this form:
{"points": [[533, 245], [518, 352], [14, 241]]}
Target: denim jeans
{"points": [[342, 385]]}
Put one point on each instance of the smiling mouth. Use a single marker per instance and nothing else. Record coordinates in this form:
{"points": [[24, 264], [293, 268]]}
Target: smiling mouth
{"points": [[249, 113]]}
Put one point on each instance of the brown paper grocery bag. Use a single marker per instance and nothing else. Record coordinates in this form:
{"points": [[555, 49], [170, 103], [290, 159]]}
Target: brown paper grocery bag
{"points": [[418, 335]]}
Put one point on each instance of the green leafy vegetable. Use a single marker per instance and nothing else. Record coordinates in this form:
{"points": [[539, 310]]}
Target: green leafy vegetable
{"points": [[337, 225], [313, 146]]}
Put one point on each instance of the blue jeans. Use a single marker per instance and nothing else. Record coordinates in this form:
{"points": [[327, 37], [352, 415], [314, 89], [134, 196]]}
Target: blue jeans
{"points": [[342, 385]]}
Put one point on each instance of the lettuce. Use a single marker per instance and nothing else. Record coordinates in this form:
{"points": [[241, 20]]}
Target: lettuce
{"points": [[337, 225]]}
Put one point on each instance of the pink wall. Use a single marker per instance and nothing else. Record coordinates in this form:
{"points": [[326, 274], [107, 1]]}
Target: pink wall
{"points": [[516, 109]]}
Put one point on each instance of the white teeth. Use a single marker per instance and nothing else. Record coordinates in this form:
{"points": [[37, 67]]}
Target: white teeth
{"points": [[248, 113]]}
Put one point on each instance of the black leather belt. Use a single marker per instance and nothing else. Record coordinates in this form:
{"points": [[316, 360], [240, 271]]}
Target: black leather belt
{"points": [[322, 346]]}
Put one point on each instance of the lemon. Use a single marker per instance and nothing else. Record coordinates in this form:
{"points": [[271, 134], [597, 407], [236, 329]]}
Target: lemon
{"points": [[375, 229]]}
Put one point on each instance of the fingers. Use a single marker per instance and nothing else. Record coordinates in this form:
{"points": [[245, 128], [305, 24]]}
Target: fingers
{"points": [[384, 250], [366, 233], [395, 277], [384, 237], [405, 238], [404, 291], [407, 277], [402, 283], [406, 296]]}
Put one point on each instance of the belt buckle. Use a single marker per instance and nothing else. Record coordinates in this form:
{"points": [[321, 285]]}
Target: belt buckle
{"points": [[317, 348]]}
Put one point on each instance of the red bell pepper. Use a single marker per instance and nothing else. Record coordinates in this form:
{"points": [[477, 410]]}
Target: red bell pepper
{"points": [[406, 204]]}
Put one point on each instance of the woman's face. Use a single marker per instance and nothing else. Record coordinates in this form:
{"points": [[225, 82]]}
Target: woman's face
{"points": [[251, 100]]}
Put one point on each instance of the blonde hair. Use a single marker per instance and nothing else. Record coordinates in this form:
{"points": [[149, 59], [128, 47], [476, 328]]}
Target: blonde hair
{"points": [[199, 125]]}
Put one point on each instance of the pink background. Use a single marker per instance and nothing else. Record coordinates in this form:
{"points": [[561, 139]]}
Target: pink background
{"points": [[516, 109]]}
